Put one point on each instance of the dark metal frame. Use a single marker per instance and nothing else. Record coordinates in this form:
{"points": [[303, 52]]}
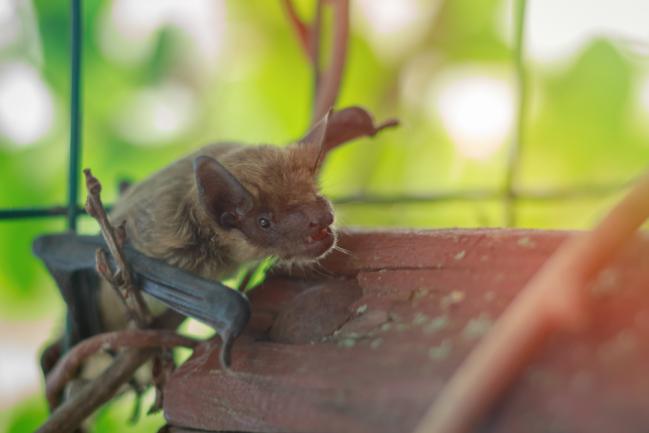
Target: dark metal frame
{"points": [[72, 210]]}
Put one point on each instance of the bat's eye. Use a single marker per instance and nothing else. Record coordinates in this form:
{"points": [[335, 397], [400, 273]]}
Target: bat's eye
{"points": [[263, 222]]}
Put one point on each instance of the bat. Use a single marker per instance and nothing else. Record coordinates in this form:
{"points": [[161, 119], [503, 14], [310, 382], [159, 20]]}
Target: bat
{"points": [[228, 204], [196, 221]]}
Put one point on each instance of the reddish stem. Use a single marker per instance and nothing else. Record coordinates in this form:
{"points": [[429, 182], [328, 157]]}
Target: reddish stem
{"points": [[329, 83], [66, 368], [68, 416], [302, 31], [315, 44], [115, 238]]}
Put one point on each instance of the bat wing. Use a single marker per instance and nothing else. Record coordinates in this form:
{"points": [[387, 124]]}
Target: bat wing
{"points": [[224, 309], [70, 258]]}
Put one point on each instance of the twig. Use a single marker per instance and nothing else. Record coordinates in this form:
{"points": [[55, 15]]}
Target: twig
{"points": [[66, 368], [102, 266], [315, 51], [555, 299], [302, 30], [69, 415], [163, 368], [122, 281], [329, 83]]}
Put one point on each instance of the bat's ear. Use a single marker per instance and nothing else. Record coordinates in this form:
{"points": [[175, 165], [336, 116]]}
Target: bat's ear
{"points": [[337, 128], [220, 193], [314, 141]]}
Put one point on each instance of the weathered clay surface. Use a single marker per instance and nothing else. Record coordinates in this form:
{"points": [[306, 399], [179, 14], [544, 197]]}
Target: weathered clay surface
{"points": [[315, 313], [369, 348]]}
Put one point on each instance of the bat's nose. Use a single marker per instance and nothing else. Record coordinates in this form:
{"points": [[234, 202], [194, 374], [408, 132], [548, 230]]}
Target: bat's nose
{"points": [[325, 219], [319, 228]]}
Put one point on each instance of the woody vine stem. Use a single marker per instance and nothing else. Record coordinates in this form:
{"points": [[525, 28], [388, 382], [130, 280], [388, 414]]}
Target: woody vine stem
{"points": [[141, 344], [326, 83]]}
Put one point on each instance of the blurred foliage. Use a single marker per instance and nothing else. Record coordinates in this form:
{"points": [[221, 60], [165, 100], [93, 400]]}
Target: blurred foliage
{"points": [[116, 417], [585, 126], [25, 417]]}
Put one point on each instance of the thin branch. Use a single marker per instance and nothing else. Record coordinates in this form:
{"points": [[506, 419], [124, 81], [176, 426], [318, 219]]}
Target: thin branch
{"points": [[302, 30], [115, 238], [315, 41], [163, 368], [555, 299], [69, 415], [66, 368], [329, 85], [102, 266]]}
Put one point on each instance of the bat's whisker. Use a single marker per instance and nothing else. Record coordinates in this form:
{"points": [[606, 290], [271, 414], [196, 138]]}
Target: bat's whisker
{"points": [[343, 250]]}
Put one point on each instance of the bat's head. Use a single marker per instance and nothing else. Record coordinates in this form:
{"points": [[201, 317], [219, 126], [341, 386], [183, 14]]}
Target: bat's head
{"points": [[267, 198]]}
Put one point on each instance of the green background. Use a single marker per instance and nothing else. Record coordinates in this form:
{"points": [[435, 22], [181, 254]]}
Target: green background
{"points": [[586, 127]]}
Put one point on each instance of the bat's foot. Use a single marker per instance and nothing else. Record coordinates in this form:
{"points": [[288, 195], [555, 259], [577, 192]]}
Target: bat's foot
{"points": [[225, 355]]}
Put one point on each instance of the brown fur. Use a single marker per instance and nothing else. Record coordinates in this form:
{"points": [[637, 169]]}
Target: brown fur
{"points": [[164, 218], [168, 216]]}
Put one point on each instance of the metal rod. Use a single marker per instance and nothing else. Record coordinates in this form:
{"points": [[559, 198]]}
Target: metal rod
{"points": [[75, 112], [37, 212], [440, 196], [535, 195]]}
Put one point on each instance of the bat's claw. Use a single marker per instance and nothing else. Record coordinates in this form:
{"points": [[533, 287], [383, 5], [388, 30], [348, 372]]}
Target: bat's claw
{"points": [[225, 354]]}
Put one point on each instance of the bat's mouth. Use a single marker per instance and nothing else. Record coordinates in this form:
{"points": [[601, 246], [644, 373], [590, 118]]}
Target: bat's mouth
{"points": [[319, 242], [320, 235]]}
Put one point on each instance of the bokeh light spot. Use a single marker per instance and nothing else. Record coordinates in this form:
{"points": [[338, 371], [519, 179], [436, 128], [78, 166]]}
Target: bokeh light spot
{"points": [[158, 114], [26, 109], [476, 110]]}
